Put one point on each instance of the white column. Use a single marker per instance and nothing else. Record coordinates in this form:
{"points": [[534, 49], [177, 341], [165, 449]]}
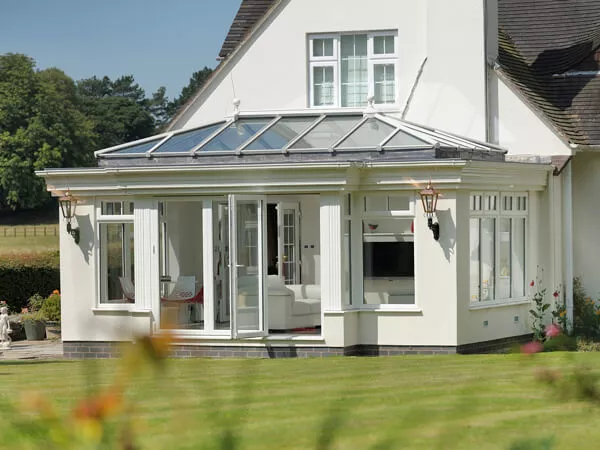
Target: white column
{"points": [[568, 240], [331, 252], [147, 282], [207, 266], [356, 252]]}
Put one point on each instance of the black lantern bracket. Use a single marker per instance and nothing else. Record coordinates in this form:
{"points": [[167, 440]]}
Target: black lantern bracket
{"points": [[434, 227], [68, 204], [429, 198]]}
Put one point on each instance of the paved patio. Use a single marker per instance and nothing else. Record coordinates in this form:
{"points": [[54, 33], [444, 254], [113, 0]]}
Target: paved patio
{"points": [[33, 350]]}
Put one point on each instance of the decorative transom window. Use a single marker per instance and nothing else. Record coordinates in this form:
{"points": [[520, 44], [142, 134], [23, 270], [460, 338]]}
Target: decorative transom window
{"points": [[346, 68], [498, 246], [116, 252]]}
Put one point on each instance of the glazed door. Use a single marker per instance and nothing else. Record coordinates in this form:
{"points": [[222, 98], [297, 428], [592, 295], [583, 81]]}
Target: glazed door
{"points": [[247, 257], [288, 242]]}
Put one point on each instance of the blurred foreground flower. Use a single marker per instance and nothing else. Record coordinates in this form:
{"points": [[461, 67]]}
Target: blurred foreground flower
{"points": [[532, 347], [553, 330]]}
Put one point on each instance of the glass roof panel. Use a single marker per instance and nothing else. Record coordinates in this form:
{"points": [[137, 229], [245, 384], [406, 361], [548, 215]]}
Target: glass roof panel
{"points": [[327, 132], [403, 139], [184, 142], [369, 135], [137, 148], [278, 136], [235, 134]]}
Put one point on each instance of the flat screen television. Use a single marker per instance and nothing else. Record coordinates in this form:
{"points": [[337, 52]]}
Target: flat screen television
{"points": [[388, 259]]}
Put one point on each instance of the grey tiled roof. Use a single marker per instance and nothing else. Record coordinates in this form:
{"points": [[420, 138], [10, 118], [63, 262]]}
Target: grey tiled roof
{"points": [[250, 12], [549, 51]]}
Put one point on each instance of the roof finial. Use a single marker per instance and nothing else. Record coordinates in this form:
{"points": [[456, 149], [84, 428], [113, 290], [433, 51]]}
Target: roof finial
{"points": [[370, 109], [236, 108]]}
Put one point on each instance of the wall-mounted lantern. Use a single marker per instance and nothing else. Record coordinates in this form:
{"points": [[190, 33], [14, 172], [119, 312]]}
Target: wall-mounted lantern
{"points": [[429, 197], [68, 204]]}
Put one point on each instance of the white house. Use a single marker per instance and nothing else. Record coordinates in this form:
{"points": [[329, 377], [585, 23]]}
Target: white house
{"points": [[281, 214]]}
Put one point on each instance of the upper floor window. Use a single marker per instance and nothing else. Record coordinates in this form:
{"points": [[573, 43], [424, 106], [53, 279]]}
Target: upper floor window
{"points": [[346, 68]]}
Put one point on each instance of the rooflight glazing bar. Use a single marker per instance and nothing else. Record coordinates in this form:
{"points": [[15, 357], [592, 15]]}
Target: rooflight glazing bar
{"points": [[409, 130], [332, 147], [389, 138], [211, 136], [149, 152], [129, 144], [319, 119], [266, 128]]}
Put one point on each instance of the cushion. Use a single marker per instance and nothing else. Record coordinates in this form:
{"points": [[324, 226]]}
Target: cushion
{"points": [[315, 305], [301, 308]]}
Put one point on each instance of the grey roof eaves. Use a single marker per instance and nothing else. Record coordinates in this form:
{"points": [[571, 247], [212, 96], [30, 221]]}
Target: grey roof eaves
{"points": [[497, 68]]}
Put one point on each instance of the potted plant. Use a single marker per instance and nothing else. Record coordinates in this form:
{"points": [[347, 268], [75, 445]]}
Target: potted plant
{"points": [[35, 325], [51, 311]]}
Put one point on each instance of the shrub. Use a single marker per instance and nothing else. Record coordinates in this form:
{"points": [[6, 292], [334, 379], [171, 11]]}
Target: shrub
{"points": [[51, 308], [586, 313], [22, 276], [33, 316], [35, 302]]}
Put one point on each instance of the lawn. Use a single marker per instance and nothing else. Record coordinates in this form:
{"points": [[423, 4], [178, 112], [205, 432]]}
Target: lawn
{"points": [[422, 402], [28, 239]]}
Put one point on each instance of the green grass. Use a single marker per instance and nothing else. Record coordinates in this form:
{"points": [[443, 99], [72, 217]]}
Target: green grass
{"points": [[421, 402], [28, 239]]}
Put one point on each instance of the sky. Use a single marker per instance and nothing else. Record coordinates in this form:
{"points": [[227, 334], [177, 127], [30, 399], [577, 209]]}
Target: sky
{"points": [[159, 42]]}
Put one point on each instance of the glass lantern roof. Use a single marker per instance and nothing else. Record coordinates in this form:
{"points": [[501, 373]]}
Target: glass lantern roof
{"points": [[296, 133]]}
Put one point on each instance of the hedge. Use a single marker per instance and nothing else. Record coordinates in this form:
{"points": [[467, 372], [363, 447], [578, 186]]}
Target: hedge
{"points": [[22, 275]]}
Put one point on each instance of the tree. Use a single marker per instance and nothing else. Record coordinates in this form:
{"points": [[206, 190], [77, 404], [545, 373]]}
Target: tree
{"points": [[40, 126], [196, 82], [118, 109]]}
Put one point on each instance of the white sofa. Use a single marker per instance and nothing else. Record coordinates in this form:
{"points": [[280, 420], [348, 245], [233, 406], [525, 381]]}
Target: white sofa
{"points": [[294, 305], [289, 306]]}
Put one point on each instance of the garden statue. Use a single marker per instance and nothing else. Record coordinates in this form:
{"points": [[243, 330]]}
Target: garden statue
{"points": [[4, 328]]}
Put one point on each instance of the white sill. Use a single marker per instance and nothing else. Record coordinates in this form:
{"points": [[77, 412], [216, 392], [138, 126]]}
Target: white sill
{"points": [[379, 308], [117, 308], [498, 304]]}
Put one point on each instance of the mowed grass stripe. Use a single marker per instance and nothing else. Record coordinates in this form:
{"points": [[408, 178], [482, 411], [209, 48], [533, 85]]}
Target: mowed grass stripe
{"points": [[411, 402]]}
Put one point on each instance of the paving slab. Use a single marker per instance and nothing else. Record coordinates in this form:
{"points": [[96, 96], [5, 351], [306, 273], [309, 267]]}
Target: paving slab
{"points": [[32, 350]]}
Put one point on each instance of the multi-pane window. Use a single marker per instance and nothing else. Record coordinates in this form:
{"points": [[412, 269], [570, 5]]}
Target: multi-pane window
{"points": [[498, 241], [116, 252], [346, 68]]}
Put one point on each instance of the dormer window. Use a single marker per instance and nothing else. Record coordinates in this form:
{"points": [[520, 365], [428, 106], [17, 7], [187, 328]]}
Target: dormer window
{"points": [[346, 68]]}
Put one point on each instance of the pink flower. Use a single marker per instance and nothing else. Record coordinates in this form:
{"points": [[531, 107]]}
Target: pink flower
{"points": [[532, 347], [553, 330], [556, 294], [532, 284]]}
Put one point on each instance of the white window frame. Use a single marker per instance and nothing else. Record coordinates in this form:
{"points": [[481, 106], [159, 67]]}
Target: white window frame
{"points": [[499, 213], [357, 245], [335, 62], [100, 245]]}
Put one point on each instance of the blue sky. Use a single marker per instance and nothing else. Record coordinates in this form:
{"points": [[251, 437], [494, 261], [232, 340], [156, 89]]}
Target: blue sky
{"points": [[159, 42]]}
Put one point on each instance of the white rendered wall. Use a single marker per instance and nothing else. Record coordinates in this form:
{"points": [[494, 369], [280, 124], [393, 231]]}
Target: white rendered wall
{"points": [[271, 73], [435, 290], [586, 217], [80, 322], [451, 94], [517, 127]]}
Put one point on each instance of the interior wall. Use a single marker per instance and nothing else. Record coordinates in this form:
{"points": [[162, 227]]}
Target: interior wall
{"points": [[184, 231], [310, 248]]}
